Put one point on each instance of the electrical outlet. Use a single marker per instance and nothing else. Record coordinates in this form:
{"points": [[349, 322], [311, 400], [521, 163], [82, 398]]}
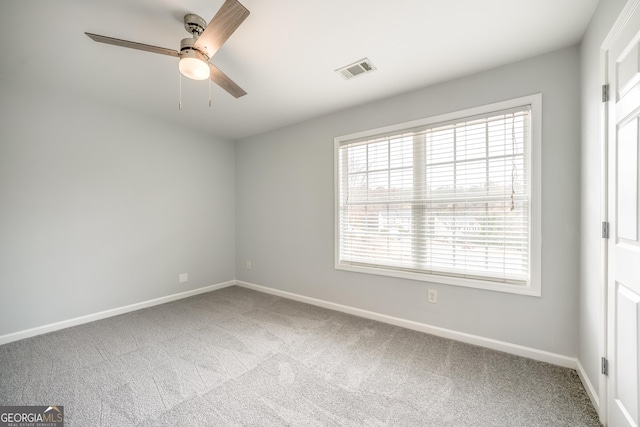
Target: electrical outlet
{"points": [[184, 277], [249, 265], [432, 296]]}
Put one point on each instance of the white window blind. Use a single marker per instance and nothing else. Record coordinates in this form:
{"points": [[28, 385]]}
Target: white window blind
{"points": [[450, 199]]}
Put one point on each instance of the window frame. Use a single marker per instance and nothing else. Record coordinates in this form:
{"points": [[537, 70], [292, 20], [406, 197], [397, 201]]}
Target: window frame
{"points": [[534, 287]]}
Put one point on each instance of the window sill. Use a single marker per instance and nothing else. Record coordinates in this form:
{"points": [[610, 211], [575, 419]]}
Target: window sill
{"points": [[530, 290]]}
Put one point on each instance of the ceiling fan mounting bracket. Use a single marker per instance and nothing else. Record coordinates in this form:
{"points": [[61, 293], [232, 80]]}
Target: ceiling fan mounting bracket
{"points": [[194, 24]]}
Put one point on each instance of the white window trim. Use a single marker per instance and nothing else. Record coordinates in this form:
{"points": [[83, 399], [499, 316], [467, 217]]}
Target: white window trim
{"points": [[534, 288]]}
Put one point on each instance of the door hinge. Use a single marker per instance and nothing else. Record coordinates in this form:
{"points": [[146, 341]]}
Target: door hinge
{"points": [[604, 366], [605, 93], [605, 230]]}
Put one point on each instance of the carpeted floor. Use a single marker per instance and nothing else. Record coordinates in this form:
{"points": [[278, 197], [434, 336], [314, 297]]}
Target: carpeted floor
{"points": [[240, 357]]}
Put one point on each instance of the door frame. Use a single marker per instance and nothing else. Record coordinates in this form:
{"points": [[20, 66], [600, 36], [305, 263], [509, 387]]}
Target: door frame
{"points": [[604, 217], [605, 132]]}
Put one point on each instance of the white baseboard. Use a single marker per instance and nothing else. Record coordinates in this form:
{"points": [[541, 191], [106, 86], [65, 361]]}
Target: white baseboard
{"points": [[588, 386], [15, 336], [519, 350], [532, 353]]}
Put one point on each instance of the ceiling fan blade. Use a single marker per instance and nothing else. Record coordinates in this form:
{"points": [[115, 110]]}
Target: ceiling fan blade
{"points": [[133, 45], [226, 21], [225, 82]]}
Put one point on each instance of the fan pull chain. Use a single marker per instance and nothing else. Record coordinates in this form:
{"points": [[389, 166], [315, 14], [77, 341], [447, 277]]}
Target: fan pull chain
{"points": [[179, 90], [209, 92]]}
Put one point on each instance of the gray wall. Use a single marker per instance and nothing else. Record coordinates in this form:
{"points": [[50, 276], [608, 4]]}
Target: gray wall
{"points": [[285, 213], [100, 208], [591, 313]]}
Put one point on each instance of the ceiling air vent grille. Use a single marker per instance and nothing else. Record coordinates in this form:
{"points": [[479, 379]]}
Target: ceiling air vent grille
{"points": [[360, 67]]}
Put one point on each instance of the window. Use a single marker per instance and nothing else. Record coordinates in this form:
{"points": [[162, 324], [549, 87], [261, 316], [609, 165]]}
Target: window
{"points": [[451, 199]]}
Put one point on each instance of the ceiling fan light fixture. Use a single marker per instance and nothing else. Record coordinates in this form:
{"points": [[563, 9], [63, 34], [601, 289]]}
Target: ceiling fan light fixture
{"points": [[193, 65], [194, 68]]}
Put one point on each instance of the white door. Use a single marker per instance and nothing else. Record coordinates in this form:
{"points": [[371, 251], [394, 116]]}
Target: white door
{"points": [[623, 311]]}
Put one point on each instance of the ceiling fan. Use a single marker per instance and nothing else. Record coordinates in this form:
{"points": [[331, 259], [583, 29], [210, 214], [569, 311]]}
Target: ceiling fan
{"points": [[196, 51]]}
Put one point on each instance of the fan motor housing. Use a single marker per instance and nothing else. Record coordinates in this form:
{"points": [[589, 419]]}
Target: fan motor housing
{"points": [[188, 51]]}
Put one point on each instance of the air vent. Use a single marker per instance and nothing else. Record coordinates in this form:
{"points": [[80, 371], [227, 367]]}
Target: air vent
{"points": [[358, 68]]}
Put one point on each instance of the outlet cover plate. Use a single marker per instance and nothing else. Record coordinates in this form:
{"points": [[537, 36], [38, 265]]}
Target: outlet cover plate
{"points": [[433, 296]]}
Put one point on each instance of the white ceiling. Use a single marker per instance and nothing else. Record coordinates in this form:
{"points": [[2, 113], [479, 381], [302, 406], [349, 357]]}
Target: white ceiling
{"points": [[284, 55]]}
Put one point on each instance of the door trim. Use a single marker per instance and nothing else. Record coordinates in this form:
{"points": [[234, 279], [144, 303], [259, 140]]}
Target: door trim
{"points": [[629, 9]]}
